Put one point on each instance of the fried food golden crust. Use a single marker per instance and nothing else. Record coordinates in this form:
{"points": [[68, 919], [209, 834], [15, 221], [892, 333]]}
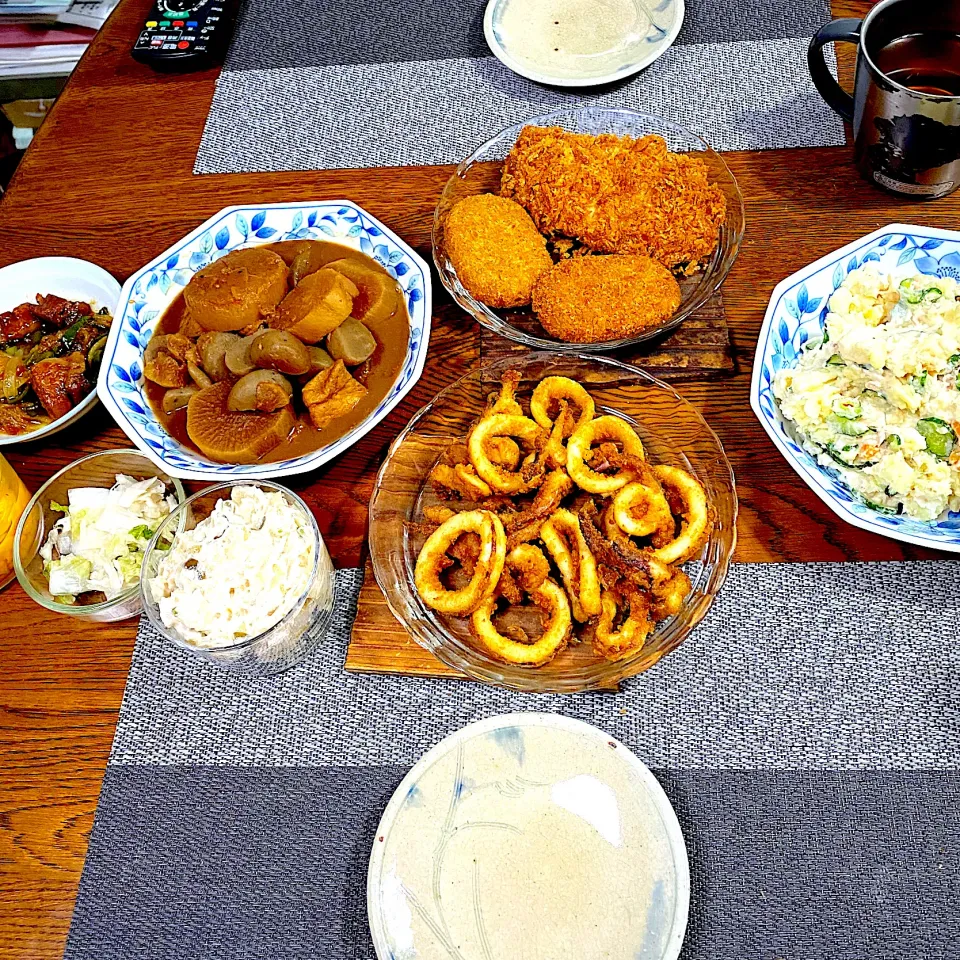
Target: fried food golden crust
{"points": [[641, 509], [458, 480], [549, 395], [687, 498], [615, 644], [562, 537], [594, 541], [487, 567], [591, 299], [579, 453], [495, 249], [553, 601], [521, 429], [616, 194]]}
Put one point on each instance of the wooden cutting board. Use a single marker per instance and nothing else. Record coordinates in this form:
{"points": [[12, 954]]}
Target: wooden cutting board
{"points": [[699, 349], [379, 644]]}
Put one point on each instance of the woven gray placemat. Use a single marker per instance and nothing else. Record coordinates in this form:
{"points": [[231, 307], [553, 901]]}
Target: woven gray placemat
{"points": [[808, 734], [316, 84]]}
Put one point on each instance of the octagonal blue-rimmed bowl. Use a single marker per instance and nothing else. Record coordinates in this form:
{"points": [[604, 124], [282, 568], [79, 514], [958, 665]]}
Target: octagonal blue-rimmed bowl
{"points": [[149, 291], [796, 314]]}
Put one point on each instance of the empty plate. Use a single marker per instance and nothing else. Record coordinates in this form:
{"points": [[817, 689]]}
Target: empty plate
{"points": [[580, 43], [528, 836]]}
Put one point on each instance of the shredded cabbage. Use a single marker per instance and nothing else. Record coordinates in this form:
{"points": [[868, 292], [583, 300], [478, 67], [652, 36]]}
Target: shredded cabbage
{"points": [[98, 544]]}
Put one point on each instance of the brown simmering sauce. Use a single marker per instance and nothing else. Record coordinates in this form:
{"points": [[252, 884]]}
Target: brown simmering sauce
{"points": [[378, 374]]}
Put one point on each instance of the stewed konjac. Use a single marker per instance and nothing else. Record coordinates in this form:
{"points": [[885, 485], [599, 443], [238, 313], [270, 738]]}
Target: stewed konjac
{"points": [[275, 351]]}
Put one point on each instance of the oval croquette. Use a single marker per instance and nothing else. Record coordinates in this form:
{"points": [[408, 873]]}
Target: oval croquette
{"points": [[495, 249], [590, 299]]}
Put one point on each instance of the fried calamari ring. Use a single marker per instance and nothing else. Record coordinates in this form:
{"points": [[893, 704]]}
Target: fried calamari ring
{"points": [[620, 553], [641, 510], [525, 570], [669, 595], [687, 498], [579, 451], [553, 601], [552, 391], [564, 540], [487, 567], [521, 429], [630, 635]]}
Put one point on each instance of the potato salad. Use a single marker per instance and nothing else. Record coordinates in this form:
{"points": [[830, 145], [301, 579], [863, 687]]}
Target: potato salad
{"points": [[877, 399], [237, 573]]}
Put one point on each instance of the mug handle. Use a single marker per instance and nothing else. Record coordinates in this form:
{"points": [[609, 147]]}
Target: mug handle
{"points": [[848, 31]]}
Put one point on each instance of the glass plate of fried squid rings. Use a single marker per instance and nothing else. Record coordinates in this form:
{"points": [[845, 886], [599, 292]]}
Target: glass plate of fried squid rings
{"points": [[553, 523]]}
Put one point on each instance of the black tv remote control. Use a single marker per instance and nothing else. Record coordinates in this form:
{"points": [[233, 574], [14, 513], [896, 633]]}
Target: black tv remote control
{"points": [[186, 34]]}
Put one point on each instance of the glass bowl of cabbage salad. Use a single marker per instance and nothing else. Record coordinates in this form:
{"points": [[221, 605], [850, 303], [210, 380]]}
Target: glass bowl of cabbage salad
{"points": [[80, 543], [240, 576]]}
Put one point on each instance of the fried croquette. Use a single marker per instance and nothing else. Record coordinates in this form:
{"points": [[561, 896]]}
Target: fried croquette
{"points": [[495, 249], [616, 194], [590, 299]]}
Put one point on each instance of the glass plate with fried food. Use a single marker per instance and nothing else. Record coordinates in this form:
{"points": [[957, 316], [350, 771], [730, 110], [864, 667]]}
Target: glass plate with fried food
{"points": [[553, 523], [654, 212]]}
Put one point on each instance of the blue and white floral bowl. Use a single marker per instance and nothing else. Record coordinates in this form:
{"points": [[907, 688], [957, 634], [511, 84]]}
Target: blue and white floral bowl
{"points": [[796, 314], [152, 289]]}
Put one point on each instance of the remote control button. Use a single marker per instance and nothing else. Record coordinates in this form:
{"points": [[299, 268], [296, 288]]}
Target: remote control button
{"points": [[184, 45], [164, 23], [151, 23], [192, 23], [178, 23]]}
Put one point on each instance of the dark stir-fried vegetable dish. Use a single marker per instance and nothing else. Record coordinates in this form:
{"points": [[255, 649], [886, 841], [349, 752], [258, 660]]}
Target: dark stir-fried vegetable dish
{"points": [[50, 352]]}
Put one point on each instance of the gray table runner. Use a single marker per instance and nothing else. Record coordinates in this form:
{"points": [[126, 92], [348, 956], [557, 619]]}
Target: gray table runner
{"points": [[319, 84], [808, 734]]}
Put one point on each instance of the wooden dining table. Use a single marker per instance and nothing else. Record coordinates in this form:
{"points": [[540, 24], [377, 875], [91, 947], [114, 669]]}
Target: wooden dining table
{"points": [[109, 178]]}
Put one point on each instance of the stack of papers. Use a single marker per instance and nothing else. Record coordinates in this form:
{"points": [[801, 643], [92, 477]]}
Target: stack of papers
{"points": [[37, 50], [42, 38], [88, 13]]}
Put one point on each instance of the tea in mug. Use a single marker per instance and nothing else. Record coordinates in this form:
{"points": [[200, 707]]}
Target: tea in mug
{"points": [[926, 62]]}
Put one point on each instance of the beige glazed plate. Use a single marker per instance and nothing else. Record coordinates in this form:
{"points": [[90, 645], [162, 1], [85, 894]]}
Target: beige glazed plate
{"points": [[528, 836]]}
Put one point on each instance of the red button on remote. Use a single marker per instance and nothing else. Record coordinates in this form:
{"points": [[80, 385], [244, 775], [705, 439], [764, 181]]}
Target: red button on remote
{"points": [[183, 45], [178, 23]]}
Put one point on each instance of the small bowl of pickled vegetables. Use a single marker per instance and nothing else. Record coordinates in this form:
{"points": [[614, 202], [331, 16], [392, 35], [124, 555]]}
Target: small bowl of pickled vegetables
{"points": [[80, 543], [55, 316]]}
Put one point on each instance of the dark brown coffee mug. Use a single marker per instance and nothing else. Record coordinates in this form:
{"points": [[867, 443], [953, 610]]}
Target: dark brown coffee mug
{"points": [[907, 140]]}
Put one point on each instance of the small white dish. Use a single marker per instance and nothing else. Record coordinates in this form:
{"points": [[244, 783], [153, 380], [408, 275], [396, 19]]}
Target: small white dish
{"points": [[796, 313], [71, 279], [580, 43], [528, 835], [150, 290]]}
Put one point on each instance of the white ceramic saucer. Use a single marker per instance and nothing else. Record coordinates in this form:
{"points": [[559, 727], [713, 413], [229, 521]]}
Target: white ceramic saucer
{"points": [[528, 836], [580, 43]]}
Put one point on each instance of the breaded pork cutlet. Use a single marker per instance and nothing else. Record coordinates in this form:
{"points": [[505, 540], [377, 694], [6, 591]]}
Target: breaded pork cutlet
{"points": [[589, 299], [495, 249], [616, 194]]}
